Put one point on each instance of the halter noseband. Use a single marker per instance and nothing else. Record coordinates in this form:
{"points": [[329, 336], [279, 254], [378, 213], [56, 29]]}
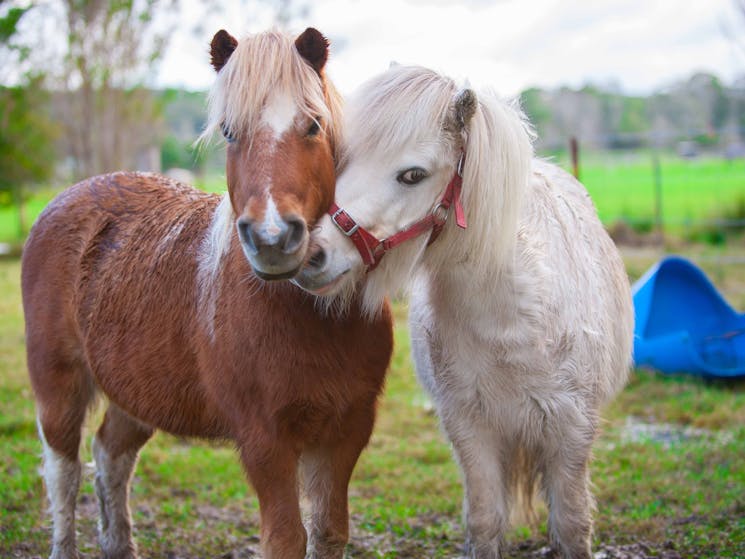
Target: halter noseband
{"points": [[372, 249]]}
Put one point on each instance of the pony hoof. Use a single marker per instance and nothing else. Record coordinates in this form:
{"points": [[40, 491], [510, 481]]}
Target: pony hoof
{"points": [[60, 553]]}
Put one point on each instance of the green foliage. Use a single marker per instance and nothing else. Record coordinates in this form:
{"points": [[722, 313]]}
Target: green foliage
{"points": [[531, 101], [27, 136], [9, 23], [184, 155], [726, 222], [184, 112], [634, 117]]}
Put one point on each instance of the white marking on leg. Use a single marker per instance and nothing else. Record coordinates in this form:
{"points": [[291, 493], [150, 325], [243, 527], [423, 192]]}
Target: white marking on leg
{"points": [[62, 479], [279, 114], [113, 477]]}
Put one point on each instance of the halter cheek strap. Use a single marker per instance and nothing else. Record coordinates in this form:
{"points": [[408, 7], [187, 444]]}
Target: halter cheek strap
{"points": [[372, 249]]}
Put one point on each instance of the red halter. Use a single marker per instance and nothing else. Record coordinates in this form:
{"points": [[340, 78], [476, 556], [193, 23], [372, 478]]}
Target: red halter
{"points": [[372, 249]]}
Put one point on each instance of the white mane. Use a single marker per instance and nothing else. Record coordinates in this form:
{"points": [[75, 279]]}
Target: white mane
{"points": [[408, 105], [260, 66], [212, 251]]}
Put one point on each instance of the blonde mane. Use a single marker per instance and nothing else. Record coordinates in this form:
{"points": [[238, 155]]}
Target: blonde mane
{"points": [[262, 65]]}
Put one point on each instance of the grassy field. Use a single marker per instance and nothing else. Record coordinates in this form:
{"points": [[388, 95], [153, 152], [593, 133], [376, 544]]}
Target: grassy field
{"points": [[621, 186], [669, 474]]}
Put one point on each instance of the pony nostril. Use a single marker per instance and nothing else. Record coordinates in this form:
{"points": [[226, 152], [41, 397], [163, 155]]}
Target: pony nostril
{"points": [[246, 234], [294, 236], [318, 260]]}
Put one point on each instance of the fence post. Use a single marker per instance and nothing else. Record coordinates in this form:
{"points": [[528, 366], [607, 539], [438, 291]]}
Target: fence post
{"points": [[657, 171], [574, 151]]}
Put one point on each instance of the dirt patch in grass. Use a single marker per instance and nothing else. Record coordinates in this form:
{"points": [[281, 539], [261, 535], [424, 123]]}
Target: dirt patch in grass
{"points": [[375, 546]]}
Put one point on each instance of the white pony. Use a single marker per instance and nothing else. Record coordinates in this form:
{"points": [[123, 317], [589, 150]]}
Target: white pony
{"points": [[521, 323]]}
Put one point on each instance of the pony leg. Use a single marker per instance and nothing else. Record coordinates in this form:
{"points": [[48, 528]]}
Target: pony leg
{"points": [[487, 492], [62, 410], [115, 448], [326, 475], [271, 466], [62, 478], [566, 484]]}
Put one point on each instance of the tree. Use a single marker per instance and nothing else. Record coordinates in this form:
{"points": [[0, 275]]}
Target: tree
{"points": [[110, 119], [27, 151], [27, 134]]}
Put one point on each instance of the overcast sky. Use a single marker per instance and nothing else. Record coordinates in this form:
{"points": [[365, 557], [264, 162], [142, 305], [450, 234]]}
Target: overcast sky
{"points": [[637, 45]]}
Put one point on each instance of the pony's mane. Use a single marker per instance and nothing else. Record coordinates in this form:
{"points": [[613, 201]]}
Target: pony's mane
{"points": [[496, 176], [406, 105], [261, 65], [212, 251]]}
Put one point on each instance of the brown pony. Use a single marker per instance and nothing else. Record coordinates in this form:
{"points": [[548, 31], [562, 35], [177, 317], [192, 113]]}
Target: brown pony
{"points": [[140, 288]]}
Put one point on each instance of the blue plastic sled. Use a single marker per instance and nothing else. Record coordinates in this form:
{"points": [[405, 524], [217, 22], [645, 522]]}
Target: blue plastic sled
{"points": [[683, 324]]}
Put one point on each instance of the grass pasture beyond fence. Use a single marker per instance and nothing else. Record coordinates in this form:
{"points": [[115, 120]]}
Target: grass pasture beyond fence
{"points": [[693, 190], [621, 185]]}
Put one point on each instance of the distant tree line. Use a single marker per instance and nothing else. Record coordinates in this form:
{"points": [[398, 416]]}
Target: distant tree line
{"points": [[701, 109]]}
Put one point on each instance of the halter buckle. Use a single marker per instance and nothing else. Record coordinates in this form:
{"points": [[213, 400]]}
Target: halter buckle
{"points": [[347, 231]]}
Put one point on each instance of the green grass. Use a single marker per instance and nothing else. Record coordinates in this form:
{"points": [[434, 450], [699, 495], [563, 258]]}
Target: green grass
{"points": [[682, 487], [692, 190], [622, 187]]}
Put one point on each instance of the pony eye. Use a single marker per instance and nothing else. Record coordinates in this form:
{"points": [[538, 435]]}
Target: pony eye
{"points": [[412, 176], [314, 128], [227, 133]]}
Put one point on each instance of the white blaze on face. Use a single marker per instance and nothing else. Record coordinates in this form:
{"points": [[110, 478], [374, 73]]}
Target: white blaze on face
{"points": [[279, 114], [272, 223]]}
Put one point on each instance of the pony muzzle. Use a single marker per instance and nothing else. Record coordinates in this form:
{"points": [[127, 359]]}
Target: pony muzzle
{"points": [[276, 251], [323, 271]]}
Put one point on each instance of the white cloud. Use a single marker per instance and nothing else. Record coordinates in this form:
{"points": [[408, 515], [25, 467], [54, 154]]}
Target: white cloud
{"points": [[510, 44]]}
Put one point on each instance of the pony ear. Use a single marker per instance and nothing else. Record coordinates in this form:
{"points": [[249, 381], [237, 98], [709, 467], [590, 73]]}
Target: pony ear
{"points": [[464, 106], [313, 47], [222, 46]]}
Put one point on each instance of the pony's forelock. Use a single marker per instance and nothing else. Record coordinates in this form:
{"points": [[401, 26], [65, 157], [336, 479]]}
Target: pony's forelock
{"points": [[244, 84], [397, 107]]}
